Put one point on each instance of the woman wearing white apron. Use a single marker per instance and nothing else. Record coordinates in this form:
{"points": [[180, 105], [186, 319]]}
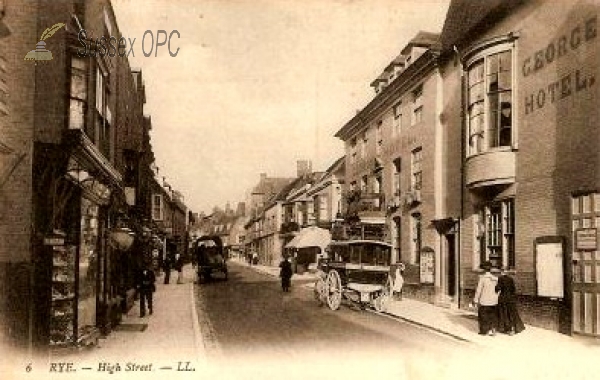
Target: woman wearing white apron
{"points": [[398, 282]]}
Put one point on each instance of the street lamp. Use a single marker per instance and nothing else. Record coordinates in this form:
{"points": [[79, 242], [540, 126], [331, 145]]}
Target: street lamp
{"points": [[122, 236]]}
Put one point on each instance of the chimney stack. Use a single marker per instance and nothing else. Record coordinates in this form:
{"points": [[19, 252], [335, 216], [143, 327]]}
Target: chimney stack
{"points": [[303, 167]]}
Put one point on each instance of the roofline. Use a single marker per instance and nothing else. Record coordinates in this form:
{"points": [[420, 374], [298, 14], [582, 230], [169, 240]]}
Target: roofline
{"points": [[349, 242], [427, 60]]}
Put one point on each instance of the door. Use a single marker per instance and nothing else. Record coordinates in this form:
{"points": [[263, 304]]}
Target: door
{"points": [[585, 264], [451, 265]]}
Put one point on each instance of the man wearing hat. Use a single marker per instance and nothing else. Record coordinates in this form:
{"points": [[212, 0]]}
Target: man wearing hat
{"points": [[486, 298]]}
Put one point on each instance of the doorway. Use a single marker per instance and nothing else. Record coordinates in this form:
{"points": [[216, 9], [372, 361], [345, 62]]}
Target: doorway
{"points": [[451, 263]]}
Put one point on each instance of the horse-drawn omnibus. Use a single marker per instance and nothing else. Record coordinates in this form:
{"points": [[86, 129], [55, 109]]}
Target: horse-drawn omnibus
{"points": [[355, 270]]}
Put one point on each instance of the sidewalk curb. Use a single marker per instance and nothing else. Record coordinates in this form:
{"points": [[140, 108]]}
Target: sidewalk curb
{"points": [[425, 326]]}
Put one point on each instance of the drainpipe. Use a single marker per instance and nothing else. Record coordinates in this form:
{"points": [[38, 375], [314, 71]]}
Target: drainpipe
{"points": [[461, 218]]}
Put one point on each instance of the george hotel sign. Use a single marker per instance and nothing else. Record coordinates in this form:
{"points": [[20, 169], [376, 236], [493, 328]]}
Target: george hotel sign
{"points": [[570, 82]]}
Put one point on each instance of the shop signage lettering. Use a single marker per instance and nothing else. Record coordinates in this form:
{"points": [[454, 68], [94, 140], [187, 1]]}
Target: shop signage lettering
{"points": [[54, 240], [570, 83]]}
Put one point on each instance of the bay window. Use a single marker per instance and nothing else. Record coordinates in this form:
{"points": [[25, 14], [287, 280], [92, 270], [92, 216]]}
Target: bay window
{"points": [[490, 100]]}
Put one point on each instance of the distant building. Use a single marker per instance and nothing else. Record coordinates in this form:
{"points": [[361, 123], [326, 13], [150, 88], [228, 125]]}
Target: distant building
{"points": [[393, 180]]}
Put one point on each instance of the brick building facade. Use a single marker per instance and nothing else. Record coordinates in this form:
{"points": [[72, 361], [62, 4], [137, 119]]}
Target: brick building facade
{"points": [[75, 223], [529, 123]]}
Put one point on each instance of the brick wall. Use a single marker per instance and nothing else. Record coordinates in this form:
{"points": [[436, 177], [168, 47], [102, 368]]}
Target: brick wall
{"points": [[16, 132], [557, 136]]}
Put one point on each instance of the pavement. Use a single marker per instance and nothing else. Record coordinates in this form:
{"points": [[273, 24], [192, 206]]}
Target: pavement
{"points": [[166, 348], [165, 344], [552, 351]]}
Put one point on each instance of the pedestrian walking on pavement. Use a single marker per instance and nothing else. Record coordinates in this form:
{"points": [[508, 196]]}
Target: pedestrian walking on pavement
{"points": [[179, 268], [509, 321], [146, 286], [286, 274], [398, 282], [486, 298], [167, 264], [254, 258]]}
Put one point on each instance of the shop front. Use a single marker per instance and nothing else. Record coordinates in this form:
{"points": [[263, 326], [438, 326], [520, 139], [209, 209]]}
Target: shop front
{"points": [[75, 188]]}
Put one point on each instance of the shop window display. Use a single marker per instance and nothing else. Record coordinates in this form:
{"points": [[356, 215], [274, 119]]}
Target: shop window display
{"points": [[62, 328], [88, 268]]}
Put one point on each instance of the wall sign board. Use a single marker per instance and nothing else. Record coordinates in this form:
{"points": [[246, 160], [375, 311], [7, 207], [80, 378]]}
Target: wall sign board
{"points": [[427, 265], [586, 239], [549, 267]]}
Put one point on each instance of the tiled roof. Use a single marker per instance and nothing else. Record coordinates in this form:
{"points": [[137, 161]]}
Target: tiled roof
{"points": [[270, 185], [465, 15], [425, 39], [333, 166]]}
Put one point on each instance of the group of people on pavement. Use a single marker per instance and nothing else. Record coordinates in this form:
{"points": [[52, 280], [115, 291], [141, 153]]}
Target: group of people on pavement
{"points": [[496, 303], [146, 281]]}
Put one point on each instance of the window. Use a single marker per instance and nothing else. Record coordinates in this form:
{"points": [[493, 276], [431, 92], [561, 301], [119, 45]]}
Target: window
{"points": [[377, 184], [397, 109], [103, 115], [489, 101], [365, 140], [416, 169], [398, 240], [378, 137], [415, 238], [157, 207], [353, 150], [322, 211], [78, 95], [417, 105], [495, 224]]}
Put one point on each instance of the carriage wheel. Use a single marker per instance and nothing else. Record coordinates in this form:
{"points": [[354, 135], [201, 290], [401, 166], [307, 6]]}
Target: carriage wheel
{"points": [[382, 301], [333, 287]]}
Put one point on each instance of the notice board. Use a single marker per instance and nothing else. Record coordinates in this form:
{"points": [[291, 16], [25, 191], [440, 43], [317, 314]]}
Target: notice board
{"points": [[427, 265], [549, 267]]}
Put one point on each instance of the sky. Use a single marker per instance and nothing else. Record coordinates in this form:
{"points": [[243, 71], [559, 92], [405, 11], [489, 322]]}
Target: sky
{"points": [[258, 84]]}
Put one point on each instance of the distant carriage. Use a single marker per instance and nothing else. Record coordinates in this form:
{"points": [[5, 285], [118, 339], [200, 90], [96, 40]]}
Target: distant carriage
{"points": [[210, 257], [358, 271]]}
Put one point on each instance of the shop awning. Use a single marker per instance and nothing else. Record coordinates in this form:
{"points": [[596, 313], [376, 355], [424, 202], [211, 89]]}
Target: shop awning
{"points": [[310, 237]]}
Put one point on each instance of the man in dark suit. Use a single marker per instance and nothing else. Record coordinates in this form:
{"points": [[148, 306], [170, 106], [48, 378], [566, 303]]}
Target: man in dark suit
{"points": [[146, 286]]}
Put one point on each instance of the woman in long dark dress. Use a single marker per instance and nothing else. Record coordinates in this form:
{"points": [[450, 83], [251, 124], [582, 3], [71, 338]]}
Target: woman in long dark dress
{"points": [[509, 321]]}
